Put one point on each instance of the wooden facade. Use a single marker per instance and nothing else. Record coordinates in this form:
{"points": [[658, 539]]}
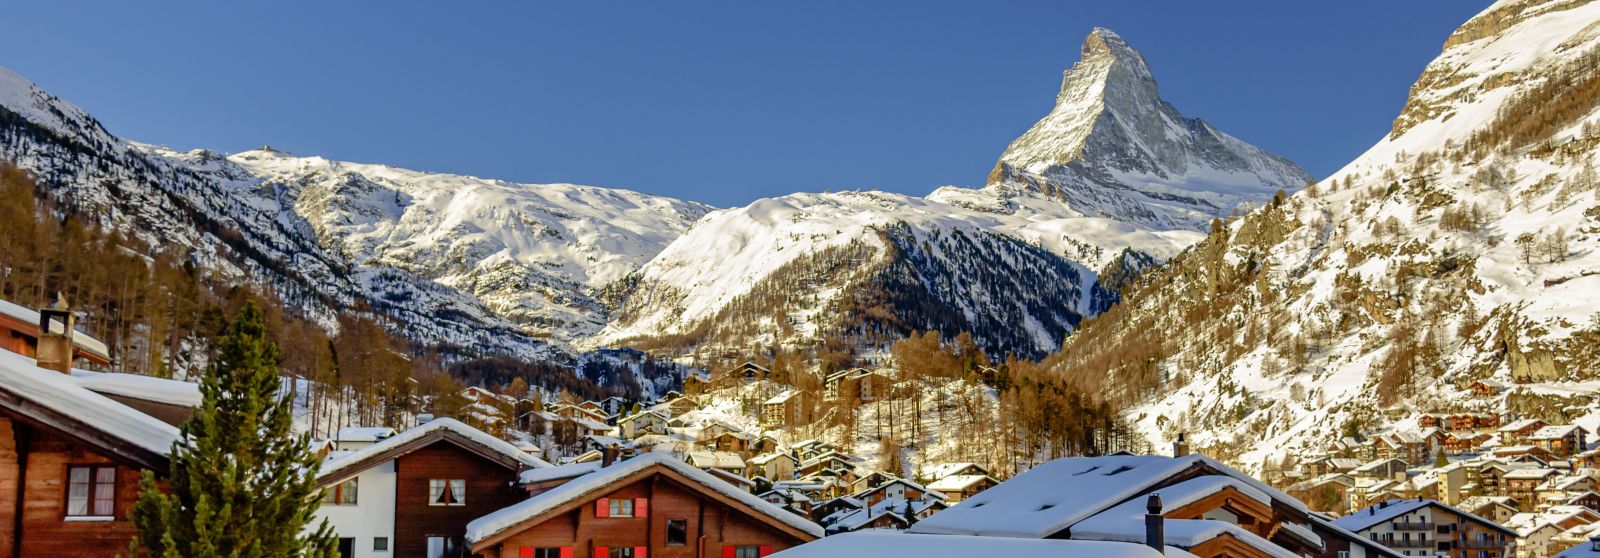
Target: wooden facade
{"points": [[670, 516]]}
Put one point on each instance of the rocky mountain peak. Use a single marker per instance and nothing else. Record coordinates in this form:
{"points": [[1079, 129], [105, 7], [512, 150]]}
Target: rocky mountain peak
{"points": [[1111, 147]]}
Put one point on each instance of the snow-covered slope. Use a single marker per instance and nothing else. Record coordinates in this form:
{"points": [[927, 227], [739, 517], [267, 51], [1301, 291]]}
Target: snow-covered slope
{"points": [[732, 252], [455, 260], [1113, 148], [1465, 245], [1112, 169]]}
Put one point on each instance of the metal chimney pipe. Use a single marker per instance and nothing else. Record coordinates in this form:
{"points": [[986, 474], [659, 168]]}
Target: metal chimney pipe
{"points": [[1155, 529]]}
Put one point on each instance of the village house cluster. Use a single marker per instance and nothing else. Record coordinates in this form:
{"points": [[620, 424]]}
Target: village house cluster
{"points": [[1535, 478]]}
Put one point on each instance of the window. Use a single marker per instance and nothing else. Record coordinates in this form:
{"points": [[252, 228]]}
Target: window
{"points": [[441, 546], [747, 552], [677, 532], [620, 552], [552, 552], [447, 492], [342, 494], [91, 491], [622, 507], [1344, 554], [347, 547], [380, 544]]}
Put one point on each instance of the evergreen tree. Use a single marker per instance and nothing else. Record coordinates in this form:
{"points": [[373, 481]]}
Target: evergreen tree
{"points": [[241, 484]]}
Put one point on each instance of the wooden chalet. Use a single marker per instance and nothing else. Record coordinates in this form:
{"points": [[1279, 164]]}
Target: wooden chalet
{"points": [[651, 506], [70, 461], [412, 494]]}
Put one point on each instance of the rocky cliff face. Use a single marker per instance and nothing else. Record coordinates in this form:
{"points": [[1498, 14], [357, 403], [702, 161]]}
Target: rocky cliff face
{"points": [[1113, 148]]}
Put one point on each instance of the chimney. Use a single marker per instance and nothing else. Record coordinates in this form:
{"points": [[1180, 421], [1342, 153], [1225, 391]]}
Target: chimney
{"points": [[55, 337], [1155, 535], [1180, 448], [608, 455]]}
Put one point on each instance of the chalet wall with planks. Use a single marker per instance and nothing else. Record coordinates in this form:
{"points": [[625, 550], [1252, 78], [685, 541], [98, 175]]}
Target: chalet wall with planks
{"points": [[712, 529], [489, 487], [45, 529]]}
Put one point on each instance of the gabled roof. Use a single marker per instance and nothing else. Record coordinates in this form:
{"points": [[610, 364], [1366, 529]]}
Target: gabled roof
{"points": [[498, 524], [958, 482], [1361, 520], [1050, 498], [56, 401], [440, 429], [148, 388], [882, 543], [568, 471], [363, 433]]}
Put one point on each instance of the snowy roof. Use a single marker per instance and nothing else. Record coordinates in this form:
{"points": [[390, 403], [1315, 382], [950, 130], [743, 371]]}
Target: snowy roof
{"points": [[83, 341], [1053, 496], [602, 479], [62, 395], [1125, 522], [148, 388], [1554, 431], [765, 458], [1361, 520], [570, 470], [352, 463], [889, 543], [1531, 473], [781, 398], [1519, 425], [956, 482], [716, 459], [943, 470], [363, 433]]}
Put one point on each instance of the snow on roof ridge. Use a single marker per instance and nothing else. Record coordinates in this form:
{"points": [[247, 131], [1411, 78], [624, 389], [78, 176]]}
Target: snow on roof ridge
{"points": [[505, 518], [338, 465], [887, 543], [80, 339], [1018, 503], [60, 393], [138, 386]]}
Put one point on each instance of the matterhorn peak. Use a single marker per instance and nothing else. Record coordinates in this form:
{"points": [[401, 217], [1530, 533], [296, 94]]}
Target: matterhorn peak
{"points": [[1113, 148]]}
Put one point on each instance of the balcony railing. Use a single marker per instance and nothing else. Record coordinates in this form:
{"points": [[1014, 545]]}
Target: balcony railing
{"points": [[1475, 543], [1412, 526]]}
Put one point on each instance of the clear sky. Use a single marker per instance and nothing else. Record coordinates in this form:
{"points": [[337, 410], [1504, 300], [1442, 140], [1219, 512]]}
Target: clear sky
{"points": [[719, 102]]}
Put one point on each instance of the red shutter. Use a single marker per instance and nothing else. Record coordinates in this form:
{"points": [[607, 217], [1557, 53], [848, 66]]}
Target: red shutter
{"points": [[601, 552], [765, 550], [602, 507], [566, 552], [641, 552], [525, 552], [641, 507], [728, 550]]}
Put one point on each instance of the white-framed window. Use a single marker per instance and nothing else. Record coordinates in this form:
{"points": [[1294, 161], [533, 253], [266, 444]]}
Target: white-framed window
{"points": [[621, 507], [91, 492], [342, 494], [447, 492], [380, 544], [444, 546]]}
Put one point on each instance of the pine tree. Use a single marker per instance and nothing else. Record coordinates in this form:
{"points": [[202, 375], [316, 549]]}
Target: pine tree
{"points": [[241, 484]]}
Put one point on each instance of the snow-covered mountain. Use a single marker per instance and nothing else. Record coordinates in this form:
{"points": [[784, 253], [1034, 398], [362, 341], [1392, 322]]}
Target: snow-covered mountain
{"points": [[482, 264], [1113, 148], [1463, 246], [1114, 177]]}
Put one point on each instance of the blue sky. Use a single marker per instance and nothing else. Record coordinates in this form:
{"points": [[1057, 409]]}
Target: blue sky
{"points": [[719, 102]]}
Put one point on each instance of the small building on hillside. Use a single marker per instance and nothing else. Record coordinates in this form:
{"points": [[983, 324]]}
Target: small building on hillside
{"points": [[784, 409], [651, 505], [642, 423], [351, 438], [1431, 528], [774, 466], [956, 488]]}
